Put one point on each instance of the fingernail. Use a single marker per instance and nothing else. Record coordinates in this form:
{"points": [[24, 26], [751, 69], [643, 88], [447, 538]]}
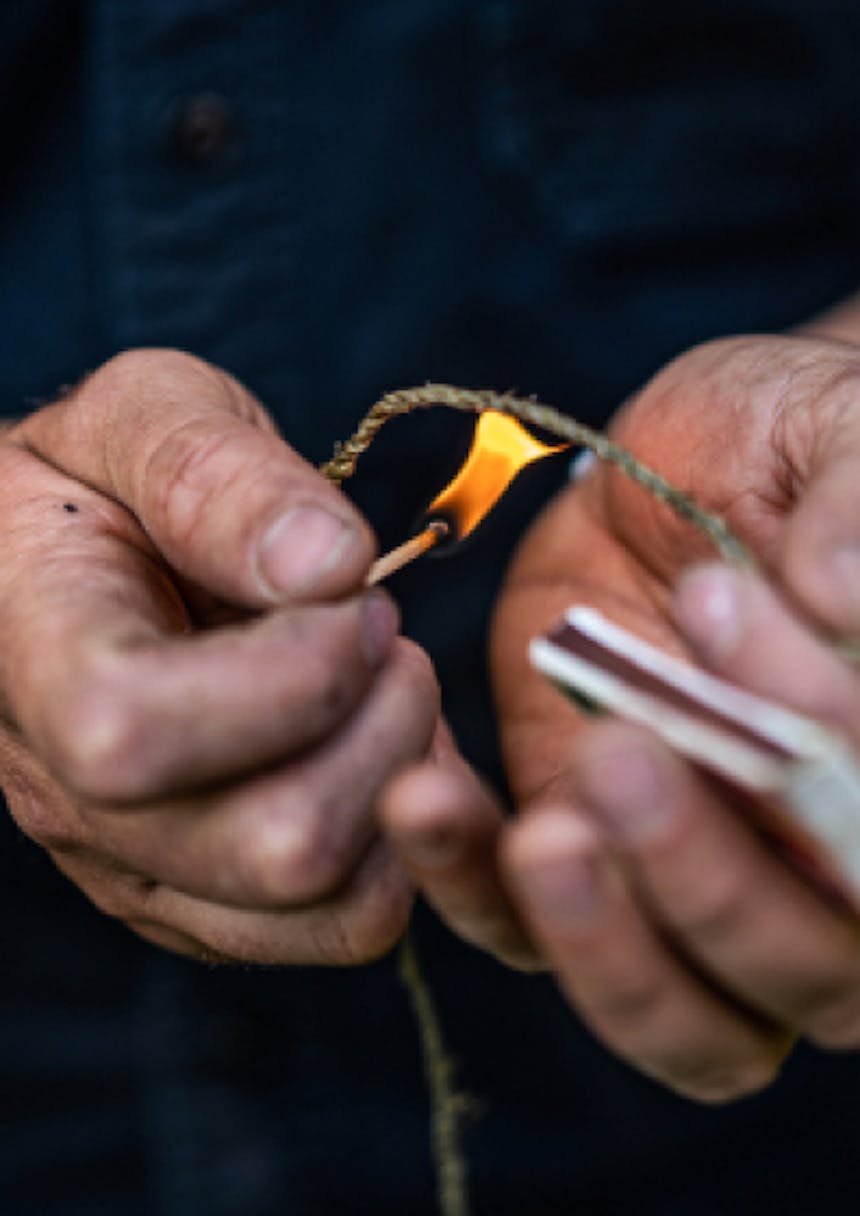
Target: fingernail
{"points": [[629, 789], [300, 547], [710, 610], [381, 621]]}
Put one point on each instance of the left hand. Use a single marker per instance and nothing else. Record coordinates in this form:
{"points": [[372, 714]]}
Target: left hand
{"points": [[690, 948], [199, 698]]}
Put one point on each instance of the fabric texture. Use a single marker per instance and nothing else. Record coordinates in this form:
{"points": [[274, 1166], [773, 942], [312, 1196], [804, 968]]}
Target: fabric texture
{"points": [[333, 199]]}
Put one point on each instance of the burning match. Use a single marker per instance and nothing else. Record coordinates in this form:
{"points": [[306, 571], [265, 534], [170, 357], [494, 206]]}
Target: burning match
{"points": [[501, 447], [407, 552]]}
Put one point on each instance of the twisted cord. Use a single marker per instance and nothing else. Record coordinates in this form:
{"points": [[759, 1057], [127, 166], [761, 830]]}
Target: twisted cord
{"points": [[403, 401], [447, 1104]]}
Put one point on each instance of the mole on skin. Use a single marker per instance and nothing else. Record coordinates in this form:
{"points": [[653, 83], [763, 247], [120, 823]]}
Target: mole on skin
{"points": [[69, 507]]}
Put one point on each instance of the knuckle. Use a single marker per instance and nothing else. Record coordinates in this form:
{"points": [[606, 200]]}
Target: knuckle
{"points": [[198, 466], [97, 742], [189, 470], [293, 856]]}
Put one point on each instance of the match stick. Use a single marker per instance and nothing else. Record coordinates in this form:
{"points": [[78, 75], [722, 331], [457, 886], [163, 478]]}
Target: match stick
{"points": [[406, 553]]}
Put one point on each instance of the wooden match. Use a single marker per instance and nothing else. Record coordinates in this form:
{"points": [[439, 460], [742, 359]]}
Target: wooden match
{"points": [[407, 552]]}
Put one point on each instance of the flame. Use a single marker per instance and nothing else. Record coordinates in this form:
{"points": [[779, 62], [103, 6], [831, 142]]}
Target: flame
{"points": [[501, 447]]}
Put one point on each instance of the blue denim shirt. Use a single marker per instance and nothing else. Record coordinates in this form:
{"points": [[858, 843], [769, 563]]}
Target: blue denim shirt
{"points": [[331, 199]]}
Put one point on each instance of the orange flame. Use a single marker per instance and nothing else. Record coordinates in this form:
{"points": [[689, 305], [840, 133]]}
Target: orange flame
{"points": [[501, 447]]}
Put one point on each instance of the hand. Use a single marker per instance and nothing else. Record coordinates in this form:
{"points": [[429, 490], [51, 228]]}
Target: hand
{"points": [[200, 701], [686, 944]]}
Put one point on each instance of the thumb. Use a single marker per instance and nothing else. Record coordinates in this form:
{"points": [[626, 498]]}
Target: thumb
{"points": [[819, 557], [194, 457]]}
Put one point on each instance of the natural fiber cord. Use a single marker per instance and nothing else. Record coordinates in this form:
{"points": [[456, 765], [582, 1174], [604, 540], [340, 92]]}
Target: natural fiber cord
{"points": [[475, 401]]}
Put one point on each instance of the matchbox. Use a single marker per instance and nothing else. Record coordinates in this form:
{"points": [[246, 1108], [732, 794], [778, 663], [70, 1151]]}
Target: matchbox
{"points": [[800, 780]]}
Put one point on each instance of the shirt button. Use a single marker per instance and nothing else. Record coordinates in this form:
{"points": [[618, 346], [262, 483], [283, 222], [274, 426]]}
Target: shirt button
{"points": [[203, 131]]}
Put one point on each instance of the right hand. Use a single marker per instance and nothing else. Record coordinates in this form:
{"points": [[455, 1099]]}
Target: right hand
{"points": [[681, 937], [200, 701]]}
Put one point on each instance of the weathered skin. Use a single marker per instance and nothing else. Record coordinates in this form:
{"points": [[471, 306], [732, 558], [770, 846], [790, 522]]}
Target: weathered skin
{"points": [[199, 710], [689, 948]]}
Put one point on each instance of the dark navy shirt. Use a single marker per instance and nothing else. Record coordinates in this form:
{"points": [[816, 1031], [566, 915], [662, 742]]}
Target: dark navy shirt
{"points": [[332, 198]]}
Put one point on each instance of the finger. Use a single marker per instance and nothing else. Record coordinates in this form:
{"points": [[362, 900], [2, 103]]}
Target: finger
{"points": [[746, 633], [121, 712], [820, 548], [187, 450], [445, 826], [358, 924], [101, 672], [718, 889], [294, 835], [623, 979]]}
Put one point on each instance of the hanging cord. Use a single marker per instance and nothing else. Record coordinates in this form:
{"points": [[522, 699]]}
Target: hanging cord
{"points": [[447, 1105]]}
